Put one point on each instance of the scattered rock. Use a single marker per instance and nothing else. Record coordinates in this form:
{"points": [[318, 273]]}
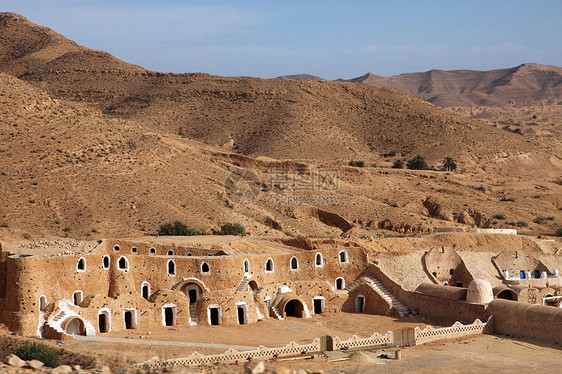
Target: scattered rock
{"points": [[35, 364], [63, 369], [282, 370], [105, 370], [254, 367], [15, 361]]}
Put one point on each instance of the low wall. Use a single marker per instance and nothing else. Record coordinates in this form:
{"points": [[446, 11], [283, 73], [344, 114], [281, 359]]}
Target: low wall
{"points": [[519, 319], [409, 336]]}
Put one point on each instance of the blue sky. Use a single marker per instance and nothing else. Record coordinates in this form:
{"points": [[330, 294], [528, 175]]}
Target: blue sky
{"points": [[332, 39]]}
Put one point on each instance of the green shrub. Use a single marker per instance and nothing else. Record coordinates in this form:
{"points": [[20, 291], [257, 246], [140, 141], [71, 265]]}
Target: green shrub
{"points": [[507, 199], [398, 164], [38, 351], [499, 216], [559, 231], [522, 224], [176, 228], [390, 154], [232, 229], [539, 220], [358, 164], [26, 235], [481, 189], [417, 163]]}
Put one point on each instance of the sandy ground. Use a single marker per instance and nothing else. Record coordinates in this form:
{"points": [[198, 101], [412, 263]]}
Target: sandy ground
{"points": [[270, 333]]}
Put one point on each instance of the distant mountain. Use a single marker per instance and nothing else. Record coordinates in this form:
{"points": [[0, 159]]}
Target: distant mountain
{"points": [[523, 85], [299, 77]]}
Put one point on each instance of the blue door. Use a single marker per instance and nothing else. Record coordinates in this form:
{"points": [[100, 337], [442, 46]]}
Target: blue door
{"points": [[537, 274], [522, 274]]}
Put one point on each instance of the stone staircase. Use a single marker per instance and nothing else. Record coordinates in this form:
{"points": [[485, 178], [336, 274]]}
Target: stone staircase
{"points": [[243, 283], [193, 314], [381, 290], [64, 315]]}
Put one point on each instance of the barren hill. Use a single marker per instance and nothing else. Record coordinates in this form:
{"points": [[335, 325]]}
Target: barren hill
{"points": [[94, 146], [299, 77], [527, 97], [523, 85]]}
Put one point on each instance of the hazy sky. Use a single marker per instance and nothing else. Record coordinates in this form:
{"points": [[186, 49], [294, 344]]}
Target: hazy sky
{"points": [[332, 39]]}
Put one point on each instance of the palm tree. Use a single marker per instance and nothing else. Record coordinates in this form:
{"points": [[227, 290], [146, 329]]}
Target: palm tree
{"points": [[449, 163]]}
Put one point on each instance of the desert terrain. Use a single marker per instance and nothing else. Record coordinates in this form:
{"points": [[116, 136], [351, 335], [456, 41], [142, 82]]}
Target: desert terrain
{"points": [[93, 147]]}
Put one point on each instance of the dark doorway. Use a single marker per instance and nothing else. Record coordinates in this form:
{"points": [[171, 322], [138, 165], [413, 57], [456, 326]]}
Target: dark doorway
{"points": [[192, 296], [246, 266], [102, 323], [294, 308], [128, 319], [169, 316], [241, 315], [522, 274], [507, 295], [106, 262], [317, 306], [537, 274], [214, 316], [360, 304], [145, 291], [171, 268]]}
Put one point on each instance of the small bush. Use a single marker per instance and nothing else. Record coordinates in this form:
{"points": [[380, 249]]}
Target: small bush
{"points": [[398, 164], [38, 351], [26, 235], [358, 164], [417, 163], [522, 224], [3, 224], [57, 221], [481, 189], [232, 229], [539, 220], [499, 216], [507, 199], [176, 228], [559, 231], [390, 154]]}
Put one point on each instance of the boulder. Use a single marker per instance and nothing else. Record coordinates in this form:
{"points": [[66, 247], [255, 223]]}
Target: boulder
{"points": [[15, 361], [63, 369], [35, 364], [254, 367]]}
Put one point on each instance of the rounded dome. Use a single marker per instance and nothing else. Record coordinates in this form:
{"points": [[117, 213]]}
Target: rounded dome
{"points": [[479, 292]]}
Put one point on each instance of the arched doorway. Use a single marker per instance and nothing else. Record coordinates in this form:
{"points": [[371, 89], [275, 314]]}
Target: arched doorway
{"points": [[193, 291], [294, 308], [103, 321], [75, 327], [252, 286], [507, 295]]}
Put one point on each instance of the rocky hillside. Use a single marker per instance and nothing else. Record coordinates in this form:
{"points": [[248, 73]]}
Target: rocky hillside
{"points": [[93, 146]]}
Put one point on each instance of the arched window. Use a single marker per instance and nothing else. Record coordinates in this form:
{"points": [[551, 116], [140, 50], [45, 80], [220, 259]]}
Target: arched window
{"points": [[123, 263], [294, 263], [343, 256], [81, 265], [319, 261], [145, 290], [152, 250], [116, 248], [170, 253], [269, 265], [77, 297], [134, 249], [205, 267], [340, 283], [105, 262], [246, 266], [171, 267]]}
